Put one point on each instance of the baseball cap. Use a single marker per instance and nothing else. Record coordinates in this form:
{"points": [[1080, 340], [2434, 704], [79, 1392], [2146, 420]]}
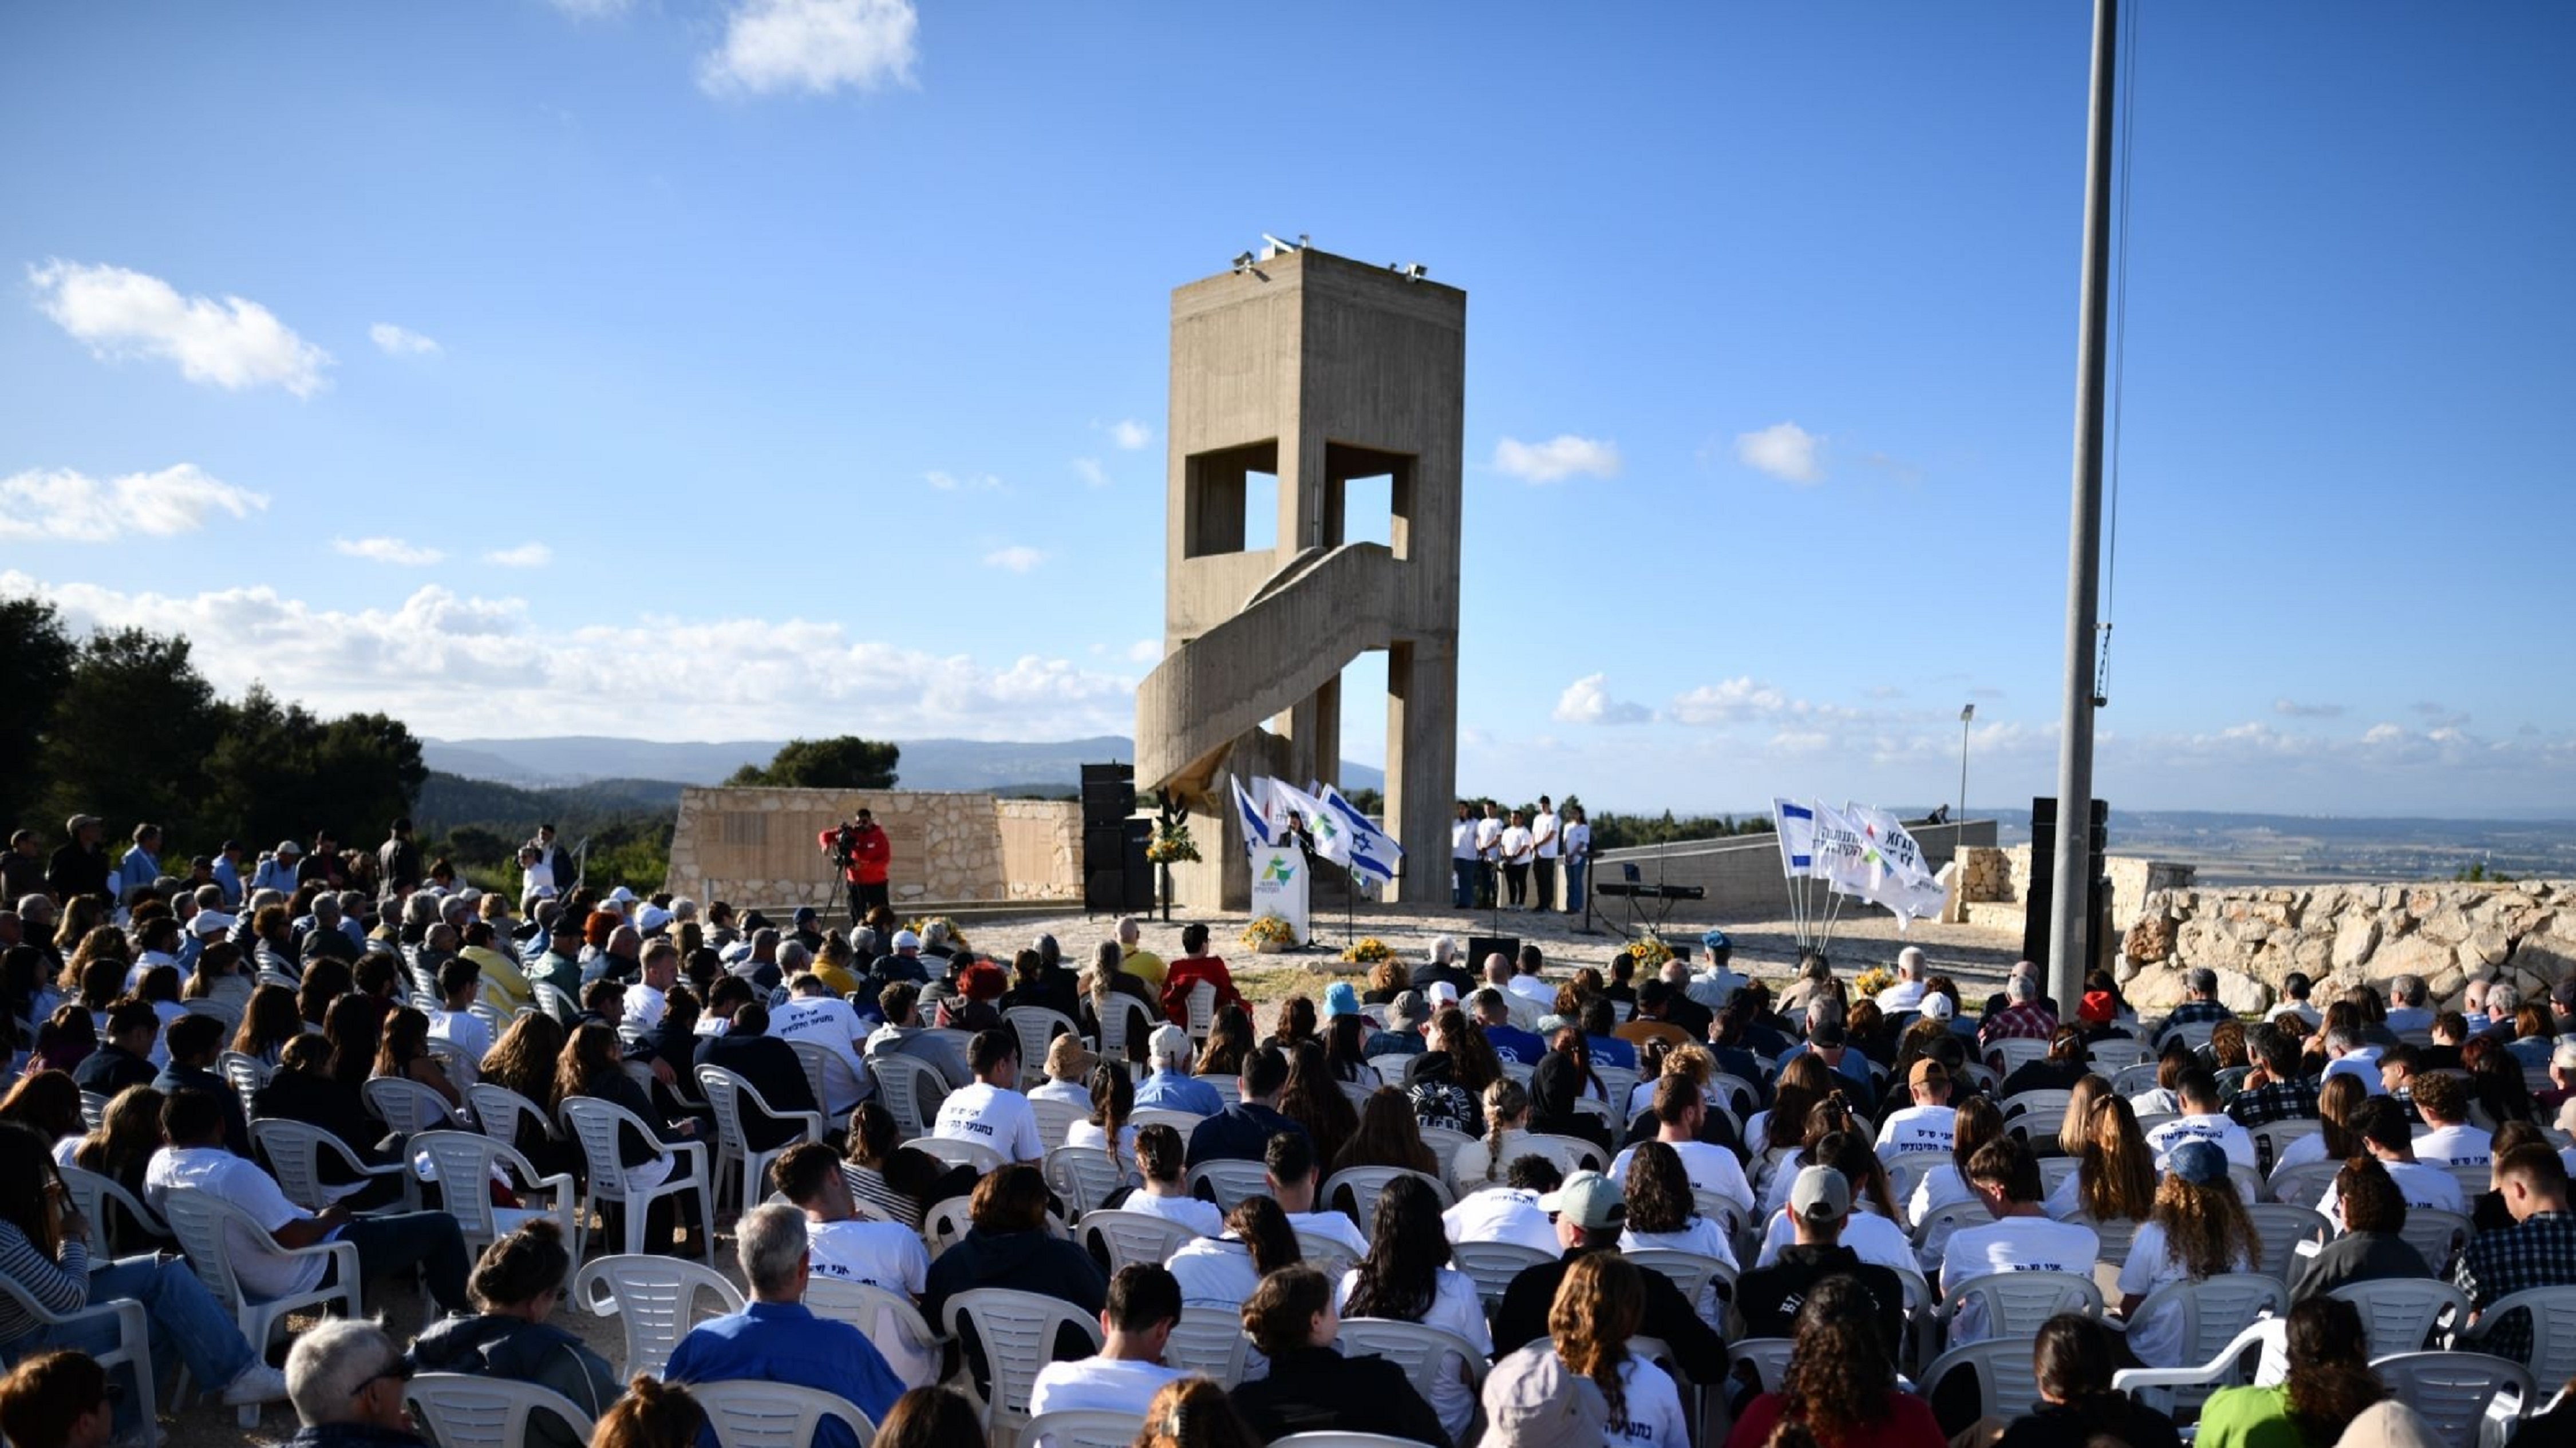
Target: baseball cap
{"points": [[1533, 1400], [289, 847], [1820, 1195], [805, 915], [906, 940], [1937, 1007], [622, 895], [2198, 1162], [210, 922], [1926, 1071], [652, 918], [1340, 1000], [1169, 1042], [1443, 993], [1407, 1010], [1592, 1200]]}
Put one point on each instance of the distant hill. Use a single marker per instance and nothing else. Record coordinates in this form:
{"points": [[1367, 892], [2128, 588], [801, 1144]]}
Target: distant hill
{"points": [[448, 801], [964, 764]]}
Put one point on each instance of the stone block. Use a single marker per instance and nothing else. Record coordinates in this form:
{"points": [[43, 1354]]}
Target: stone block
{"points": [[2150, 941], [2354, 940]]}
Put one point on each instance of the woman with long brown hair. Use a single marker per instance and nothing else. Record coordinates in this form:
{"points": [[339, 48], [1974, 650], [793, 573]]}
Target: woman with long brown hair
{"points": [[591, 1067], [2198, 1230], [1442, 1084], [2115, 1170], [104, 942], [1486, 1160], [65, 1040], [1315, 1100], [1840, 1386], [48, 1103], [1387, 1136], [1229, 1040], [403, 1054], [1295, 1022], [129, 1131], [1830, 1115], [2330, 1383], [2088, 1088], [1974, 1124], [2337, 1099], [1599, 1305], [1406, 1277], [268, 1022], [524, 1059], [1803, 1083]]}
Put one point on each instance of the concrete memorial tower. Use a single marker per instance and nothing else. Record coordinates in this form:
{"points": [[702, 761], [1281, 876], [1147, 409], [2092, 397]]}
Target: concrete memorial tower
{"points": [[1317, 371]]}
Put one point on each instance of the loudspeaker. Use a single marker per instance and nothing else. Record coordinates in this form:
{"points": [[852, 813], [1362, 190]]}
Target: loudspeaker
{"points": [[1138, 875], [2043, 870], [1480, 946], [1108, 793]]}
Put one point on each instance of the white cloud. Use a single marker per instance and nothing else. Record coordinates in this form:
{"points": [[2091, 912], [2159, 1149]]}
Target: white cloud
{"points": [[962, 483], [2383, 734], [1729, 702], [1560, 457], [1091, 472], [813, 45], [1131, 434], [1784, 450], [2292, 708], [1587, 701], [457, 667], [387, 550], [526, 555], [592, 9], [1017, 558], [60, 505], [232, 344], [1145, 651], [396, 341]]}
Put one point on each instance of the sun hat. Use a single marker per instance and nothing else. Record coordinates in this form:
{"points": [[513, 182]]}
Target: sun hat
{"points": [[2198, 1162], [1592, 1201], [1533, 1400], [210, 922], [1340, 1000]]}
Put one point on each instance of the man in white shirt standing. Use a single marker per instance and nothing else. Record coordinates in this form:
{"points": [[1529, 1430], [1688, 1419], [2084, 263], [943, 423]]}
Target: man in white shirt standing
{"points": [[1578, 853], [1931, 1123], [1547, 840], [1509, 1213], [1144, 1306], [2202, 1119], [2005, 1177], [1907, 993], [812, 1013], [1462, 860], [1489, 855], [989, 1110]]}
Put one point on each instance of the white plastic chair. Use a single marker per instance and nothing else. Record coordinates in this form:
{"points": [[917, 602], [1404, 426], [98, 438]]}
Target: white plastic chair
{"points": [[2018, 1304], [2399, 1314], [1084, 1176], [1229, 1089], [1037, 1027], [957, 1151], [1123, 1018], [1126, 1239], [1081, 1428], [466, 1162], [2036, 1114], [1493, 1265], [757, 1413], [2303, 1184], [1017, 1332], [499, 1111], [133, 1346], [2281, 1227], [910, 1089], [2007, 1383], [944, 1223], [887, 1319], [726, 1095], [1208, 1341], [2135, 1080], [1768, 1357], [215, 1235], [2116, 1055], [2552, 1314], [1366, 1184], [1056, 1118], [1201, 1007], [1570, 1153], [93, 1109], [94, 1194], [654, 1301], [246, 1074], [1390, 1068], [2452, 1389], [2017, 1052], [1229, 1182], [294, 1150], [409, 1107], [1183, 1122], [1425, 1353], [468, 1410], [1328, 1255], [595, 1123], [1697, 1275], [2214, 1314], [2437, 1237], [2274, 1137]]}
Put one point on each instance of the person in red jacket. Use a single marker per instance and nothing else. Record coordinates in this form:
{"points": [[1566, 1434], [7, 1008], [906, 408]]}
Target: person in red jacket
{"points": [[1193, 967], [865, 854]]}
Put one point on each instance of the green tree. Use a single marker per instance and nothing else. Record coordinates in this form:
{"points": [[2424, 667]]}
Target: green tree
{"points": [[130, 737], [35, 669], [474, 845], [275, 771], [843, 762]]}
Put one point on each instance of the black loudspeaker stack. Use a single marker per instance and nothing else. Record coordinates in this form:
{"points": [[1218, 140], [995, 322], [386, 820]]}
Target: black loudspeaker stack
{"points": [[1115, 877], [2043, 872]]}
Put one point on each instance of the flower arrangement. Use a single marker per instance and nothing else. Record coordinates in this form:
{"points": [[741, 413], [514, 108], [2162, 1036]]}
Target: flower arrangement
{"points": [[921, 927], [1172, 845], [1368, 952], [1269, 930], [1650, 952], [1873, 980]]}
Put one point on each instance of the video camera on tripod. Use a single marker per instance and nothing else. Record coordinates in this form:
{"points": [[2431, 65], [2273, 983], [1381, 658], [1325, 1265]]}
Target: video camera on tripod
{"points": [[845, 843]]}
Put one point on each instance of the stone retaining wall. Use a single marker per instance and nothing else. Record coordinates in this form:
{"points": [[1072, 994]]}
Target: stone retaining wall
{"points": [[2448, 934], [757, 846], [2001, 878]]}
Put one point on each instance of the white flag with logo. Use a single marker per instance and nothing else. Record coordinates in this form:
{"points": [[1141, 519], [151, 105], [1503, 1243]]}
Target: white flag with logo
{"points": [[1895, 872]]}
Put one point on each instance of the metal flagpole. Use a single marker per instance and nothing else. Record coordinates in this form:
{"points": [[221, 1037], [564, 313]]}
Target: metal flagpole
{"points": [[2070, 923]]}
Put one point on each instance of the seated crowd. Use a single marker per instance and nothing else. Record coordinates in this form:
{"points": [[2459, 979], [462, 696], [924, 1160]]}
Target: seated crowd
{"points": [[1465, 1200]]}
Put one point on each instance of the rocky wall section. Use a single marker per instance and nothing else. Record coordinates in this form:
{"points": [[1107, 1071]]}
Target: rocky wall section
{"points": [[2448, 934], [757, 847]]}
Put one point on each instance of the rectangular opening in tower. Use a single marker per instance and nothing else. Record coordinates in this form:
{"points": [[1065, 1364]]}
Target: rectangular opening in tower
{"points": [[1231, 500], [1368, 496]]}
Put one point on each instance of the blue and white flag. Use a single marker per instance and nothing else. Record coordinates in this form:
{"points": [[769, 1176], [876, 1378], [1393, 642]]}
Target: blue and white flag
{"points": [[1256, 829], [1795, 824], [1374, 852]]}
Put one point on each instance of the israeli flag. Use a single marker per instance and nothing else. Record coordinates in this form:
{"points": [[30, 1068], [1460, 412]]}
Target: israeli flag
{"points": [[1373, 850], [1256, 830]]}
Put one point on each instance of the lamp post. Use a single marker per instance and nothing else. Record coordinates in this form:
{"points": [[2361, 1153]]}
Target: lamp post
{"points": [[1966, 713]]}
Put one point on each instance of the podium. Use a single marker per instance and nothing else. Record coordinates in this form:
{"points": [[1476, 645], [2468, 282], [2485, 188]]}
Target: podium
{"points": [[1279, 886]]}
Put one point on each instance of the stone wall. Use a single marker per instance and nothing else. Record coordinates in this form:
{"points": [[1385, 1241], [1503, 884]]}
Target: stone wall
{"points": [[756, 847], [1998, 880], [2448, 934]]}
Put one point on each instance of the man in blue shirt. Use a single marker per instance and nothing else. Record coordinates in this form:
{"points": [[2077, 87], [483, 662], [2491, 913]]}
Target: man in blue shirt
{"points": [[1510, 1043], [141, 865], [227, 874], [775, 1339], [1169, 1084], [1242, 1131]]}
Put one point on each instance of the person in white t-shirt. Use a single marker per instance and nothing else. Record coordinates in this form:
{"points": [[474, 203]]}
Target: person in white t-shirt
{"points": [[1222, 1271], [1509, 1213], [1578, 857], [1600, 1301], [1161, 1158], [1907, 993], [1489, 855], [1872, 1230], [845, 1247], [1406, 1276], [1679, 1110], [645, 1001], [1547, 842], [1288, 1164], [2447, 1138], [2202, 1119], [2199, 1230], [1663, 1217], [1144, 1306], [1928, 1124], [812, 1013], [454, 1021], [1515, 850], [1462, 860], [2021, 1238], [2380, 1123], [988, 1110]]}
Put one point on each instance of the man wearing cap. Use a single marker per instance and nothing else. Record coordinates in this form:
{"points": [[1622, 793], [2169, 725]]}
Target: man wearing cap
{"points": [[1405, 1017], [1769, 1297], [901, 963], [1930, 1124], [80, 866], [276, 869], [1533, 1400], [1590, 1212], [1168, 1083]]}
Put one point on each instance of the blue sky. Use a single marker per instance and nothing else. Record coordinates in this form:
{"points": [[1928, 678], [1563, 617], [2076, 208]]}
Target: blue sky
{"points": [[768, 366]]}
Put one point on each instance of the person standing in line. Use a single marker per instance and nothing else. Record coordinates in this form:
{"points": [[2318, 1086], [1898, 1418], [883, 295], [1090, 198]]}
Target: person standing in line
{"points": [[1462, 860], [397, 862], [1578, 856], [1547, 841], [1516, 849], [1489, 855]]}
